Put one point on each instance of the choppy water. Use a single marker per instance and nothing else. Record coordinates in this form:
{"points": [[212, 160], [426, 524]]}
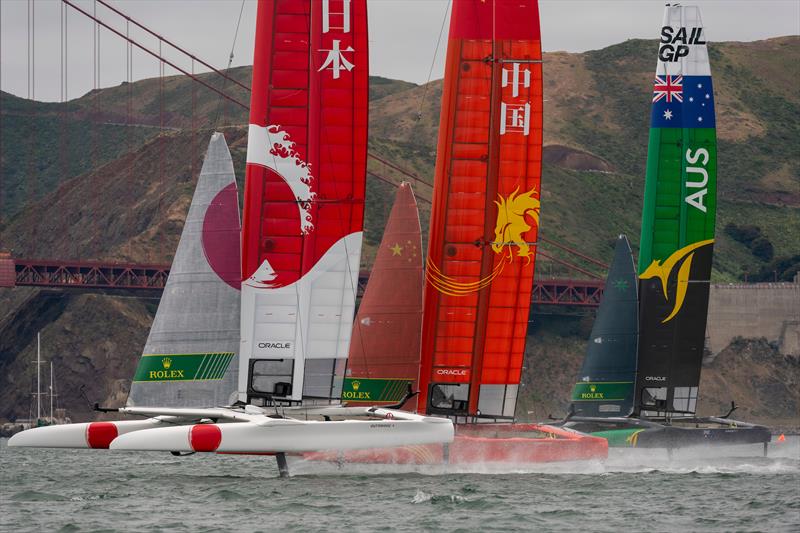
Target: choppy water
{"points": [[634, 490]]}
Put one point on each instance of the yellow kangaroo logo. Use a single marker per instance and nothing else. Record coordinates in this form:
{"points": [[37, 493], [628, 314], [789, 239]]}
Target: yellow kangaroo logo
{"points": [[510, 226], [511, 223], [663, 271]]}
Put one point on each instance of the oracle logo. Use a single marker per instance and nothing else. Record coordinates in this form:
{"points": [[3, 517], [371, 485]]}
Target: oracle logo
{"points": [[451, 372], [275, 345]]}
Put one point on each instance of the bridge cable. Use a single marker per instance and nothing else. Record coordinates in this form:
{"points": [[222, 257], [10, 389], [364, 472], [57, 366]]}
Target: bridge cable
{"points": [[227, 70], [62, 129], [433, 63], [31, 185], [2, 210]]}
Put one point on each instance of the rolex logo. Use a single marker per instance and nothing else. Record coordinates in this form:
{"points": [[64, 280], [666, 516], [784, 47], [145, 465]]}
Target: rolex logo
{"points": [[592, 388], [356, 385], [166, 362]]}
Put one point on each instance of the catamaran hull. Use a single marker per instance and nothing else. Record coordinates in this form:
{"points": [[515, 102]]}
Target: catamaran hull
{"points": [[482, 444], [97, 435], [686, 433], [673, 437], [286, 436]]}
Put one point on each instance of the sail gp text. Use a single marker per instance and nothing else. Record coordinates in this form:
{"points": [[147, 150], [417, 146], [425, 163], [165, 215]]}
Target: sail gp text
{"points": [[675, 44]]}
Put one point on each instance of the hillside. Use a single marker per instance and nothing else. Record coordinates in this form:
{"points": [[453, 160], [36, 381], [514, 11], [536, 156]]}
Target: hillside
{"points": [[109, 176]]}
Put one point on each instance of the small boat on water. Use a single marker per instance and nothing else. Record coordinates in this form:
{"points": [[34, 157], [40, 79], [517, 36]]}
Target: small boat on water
{"points": [[639, 382], [57, 415]]}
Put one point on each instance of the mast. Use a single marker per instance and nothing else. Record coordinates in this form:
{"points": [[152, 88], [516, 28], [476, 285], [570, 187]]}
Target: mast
{"points": [[38, 375], [51, 392], [485, 212], [678, 220]]}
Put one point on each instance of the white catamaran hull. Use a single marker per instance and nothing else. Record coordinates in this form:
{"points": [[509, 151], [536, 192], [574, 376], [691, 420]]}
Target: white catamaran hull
{"points": [[247, 430], [287, 436], [96, 435]]}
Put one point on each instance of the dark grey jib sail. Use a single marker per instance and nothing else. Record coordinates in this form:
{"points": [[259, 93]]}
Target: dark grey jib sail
{"points": [[605, 383]]}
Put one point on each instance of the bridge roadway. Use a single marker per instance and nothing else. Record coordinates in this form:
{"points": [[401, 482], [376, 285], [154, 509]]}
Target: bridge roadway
{"points": [[138, 277]]}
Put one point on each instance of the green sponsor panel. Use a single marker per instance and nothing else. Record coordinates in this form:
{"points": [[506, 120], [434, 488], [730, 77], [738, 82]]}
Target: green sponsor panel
{"points": [[605, 391], [182, 367], [371, 390], [680, 191]]}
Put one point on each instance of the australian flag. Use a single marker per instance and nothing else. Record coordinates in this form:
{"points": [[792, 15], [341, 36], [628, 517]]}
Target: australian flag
{"points": [[683, 102]]}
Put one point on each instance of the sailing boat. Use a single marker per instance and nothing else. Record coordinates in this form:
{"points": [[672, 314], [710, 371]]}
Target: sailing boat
{"points": [[195, 333], [56, 416], [646, 395], [301, 244], [482, 245]]}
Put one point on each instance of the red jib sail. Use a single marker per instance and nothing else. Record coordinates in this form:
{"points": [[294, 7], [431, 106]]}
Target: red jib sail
{"points": [[485, 213], [385, 346], [304, 197]]}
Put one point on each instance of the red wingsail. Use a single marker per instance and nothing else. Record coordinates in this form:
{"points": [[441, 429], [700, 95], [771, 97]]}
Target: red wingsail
{"points": [[485, 213], [304, 196], [310, 83]]}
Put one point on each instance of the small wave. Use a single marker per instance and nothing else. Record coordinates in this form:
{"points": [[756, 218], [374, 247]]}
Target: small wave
{"points": [[36, 496], [422, 497], [79, 498], [228, 495]]}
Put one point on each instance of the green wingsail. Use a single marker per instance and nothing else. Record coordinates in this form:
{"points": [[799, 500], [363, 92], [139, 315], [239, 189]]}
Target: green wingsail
{"points": [[678, 219]]}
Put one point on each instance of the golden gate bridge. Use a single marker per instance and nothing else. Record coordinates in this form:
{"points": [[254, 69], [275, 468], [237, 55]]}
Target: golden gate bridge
{"points": [[584, 291]]}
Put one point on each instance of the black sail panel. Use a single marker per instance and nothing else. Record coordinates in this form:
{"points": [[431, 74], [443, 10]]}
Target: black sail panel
{"points": [[605, 383], [672, 335]]}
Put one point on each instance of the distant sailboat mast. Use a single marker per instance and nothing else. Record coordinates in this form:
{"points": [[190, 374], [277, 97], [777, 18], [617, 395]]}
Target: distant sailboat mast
{"points": [[38, 375], [51, 391]]}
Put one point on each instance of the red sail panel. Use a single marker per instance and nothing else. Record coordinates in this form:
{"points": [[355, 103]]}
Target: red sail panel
{"points": [[304, 196], [385, 346], [312, 84], [485, 214]]}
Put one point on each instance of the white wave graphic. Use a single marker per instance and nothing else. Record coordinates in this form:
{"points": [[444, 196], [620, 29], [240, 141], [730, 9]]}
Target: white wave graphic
{"points": [[271, 147]]}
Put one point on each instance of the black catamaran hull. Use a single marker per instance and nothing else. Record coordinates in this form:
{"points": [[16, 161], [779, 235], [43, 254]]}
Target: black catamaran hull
{"points": [[678, 433]]}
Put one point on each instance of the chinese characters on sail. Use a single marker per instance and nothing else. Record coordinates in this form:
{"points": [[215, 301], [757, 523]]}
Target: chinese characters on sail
{"points": [[515, 112]]}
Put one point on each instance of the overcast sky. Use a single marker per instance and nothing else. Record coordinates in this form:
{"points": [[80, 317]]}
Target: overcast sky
{"points": [[403, 35]]}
